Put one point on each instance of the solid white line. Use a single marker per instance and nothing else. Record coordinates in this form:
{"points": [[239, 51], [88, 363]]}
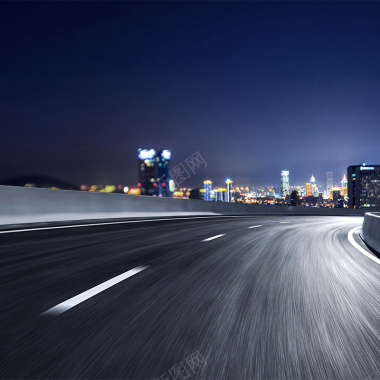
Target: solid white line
{"points": [[358, 247], [122, 222], [255, 226], [213, 237], [64, 306], [376, 215]]}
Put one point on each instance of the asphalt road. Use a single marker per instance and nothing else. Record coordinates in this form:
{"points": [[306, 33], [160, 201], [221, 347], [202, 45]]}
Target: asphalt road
{"points": [[290, 298]]}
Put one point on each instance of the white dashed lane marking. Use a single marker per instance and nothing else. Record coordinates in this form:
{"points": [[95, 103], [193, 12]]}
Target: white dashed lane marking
{"points": [[64, 306], [213, 237]]}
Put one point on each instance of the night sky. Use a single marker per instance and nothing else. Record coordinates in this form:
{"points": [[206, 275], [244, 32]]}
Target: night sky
{"points": [[255, 87]]}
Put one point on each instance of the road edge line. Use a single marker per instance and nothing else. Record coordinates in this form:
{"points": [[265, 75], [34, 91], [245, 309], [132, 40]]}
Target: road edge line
{"points": [[351, 239]]}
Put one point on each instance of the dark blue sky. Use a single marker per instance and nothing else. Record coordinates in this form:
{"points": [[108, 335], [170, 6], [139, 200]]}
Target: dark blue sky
{"points": [[255, 87]]}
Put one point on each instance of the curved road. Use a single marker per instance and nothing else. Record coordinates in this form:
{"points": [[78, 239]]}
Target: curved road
{"points": [[265, 298]]}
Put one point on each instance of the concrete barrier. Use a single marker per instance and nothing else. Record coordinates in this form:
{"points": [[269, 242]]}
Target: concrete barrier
{"points": [[31, 205], [371, 230]]}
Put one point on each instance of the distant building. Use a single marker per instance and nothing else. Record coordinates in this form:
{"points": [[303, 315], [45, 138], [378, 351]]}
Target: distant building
{"points": [[284, 183], [229, 190], [314, 188], [196, 194], [223, 195], [335, 193], [302, 191], [329, 181], [309, 201], [217, 194], [163, 176], [344, 186], [339, 203], [154, 176], [294, 198], [364, 186], [207, 190], [308, 189]]}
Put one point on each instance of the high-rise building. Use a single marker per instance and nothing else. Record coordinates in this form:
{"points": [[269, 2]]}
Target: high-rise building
{"points": [[364, 186], [147, 171], [217, 194], [229, 190], [154, 176], [294, 198], [335, 193], [208, 189], [314, 188], [308, 189], [223, 195], [329, 181], [163, 176], [284, 183], [344, 186]]}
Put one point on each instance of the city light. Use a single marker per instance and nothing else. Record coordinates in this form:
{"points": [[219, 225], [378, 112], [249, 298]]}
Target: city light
{"points": [[146, 154], [166, 154]]}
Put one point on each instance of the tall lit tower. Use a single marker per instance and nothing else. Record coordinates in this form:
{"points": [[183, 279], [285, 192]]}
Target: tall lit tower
{"points": [[154, 175], [284, 183], [314, 189], [344, 186], [344, 181], [208, 188], [163, 173], [147, 171], [229, 190], [217, 195], [308, 189]]}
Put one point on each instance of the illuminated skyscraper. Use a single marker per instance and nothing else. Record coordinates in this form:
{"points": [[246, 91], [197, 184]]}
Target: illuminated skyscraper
{"points": [[147, 171], [154, 176], [314, 189], [308, 189], [364, 186], [163, 175], [284, 183], [344, 186], [344, 181], [217, 195], [224, 196], [208, 189], [229, 190]]}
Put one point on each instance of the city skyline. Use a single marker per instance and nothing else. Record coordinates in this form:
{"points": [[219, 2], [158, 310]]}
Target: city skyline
{"points": [[255, 87]]}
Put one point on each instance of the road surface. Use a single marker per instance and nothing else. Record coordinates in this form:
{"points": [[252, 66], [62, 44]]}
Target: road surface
{"points": [[212, 298]]}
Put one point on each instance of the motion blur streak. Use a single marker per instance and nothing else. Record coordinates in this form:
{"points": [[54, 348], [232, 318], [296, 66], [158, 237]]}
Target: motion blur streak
{"points": [[284, 301]]}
